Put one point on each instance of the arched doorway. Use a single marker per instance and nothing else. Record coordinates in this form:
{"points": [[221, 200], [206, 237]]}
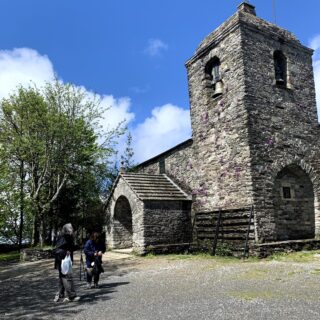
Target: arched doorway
{"points": [[294, 204], [122, 223]]}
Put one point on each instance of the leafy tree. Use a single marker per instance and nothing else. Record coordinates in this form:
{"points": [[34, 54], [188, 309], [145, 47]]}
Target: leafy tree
{"points": [[50, 138], [15, 147], [127, 158]]}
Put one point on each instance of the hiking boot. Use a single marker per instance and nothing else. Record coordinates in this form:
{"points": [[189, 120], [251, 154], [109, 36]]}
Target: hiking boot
{"points": [[66, 300], [56, 298]]}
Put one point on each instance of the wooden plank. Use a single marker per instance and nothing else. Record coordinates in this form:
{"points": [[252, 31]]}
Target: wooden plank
{"points": [[226, 238]]}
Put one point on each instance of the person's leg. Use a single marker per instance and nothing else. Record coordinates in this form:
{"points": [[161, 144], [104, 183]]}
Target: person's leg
{"points": [[69, 286], [96, 279], [60, 293], [89, 277], [61, 287]]}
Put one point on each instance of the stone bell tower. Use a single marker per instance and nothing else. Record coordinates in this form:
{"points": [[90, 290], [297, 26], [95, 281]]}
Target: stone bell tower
{"points": [[219, 115], [255, 127], [283, 131]]}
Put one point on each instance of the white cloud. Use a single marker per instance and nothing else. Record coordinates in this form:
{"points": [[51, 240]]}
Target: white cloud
{"points": [[22, 66], [117, 110], [155, 47], [25, 66], [168, 126], [315, 45]]}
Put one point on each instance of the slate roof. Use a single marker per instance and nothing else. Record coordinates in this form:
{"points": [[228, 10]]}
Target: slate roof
{"points": [[154, 187]]}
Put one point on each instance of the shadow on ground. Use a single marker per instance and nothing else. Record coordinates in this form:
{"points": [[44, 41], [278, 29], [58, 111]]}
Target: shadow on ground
{"points": [[27, 291]]}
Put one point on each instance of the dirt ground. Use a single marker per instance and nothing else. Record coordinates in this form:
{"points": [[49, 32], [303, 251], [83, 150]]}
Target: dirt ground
{"points": [[169, 287]]}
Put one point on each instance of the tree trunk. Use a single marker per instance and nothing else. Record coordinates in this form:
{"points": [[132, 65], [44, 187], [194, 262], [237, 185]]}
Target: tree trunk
{"points": [[41, 233], [22, 175], [35, 233]]}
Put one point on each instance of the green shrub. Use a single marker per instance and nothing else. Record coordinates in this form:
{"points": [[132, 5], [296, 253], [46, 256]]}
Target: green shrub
{"points": [[224, 249], [10, 256]]}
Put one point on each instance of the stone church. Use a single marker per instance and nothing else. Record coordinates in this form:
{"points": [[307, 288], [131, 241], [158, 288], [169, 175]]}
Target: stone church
{"points": [[249, 176]]}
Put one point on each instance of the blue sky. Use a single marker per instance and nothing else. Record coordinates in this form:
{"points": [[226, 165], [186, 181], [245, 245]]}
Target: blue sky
{"points": [[132, 53]]}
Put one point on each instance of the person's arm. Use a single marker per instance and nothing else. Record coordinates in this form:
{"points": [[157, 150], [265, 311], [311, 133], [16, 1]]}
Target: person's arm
{"points": [[88, 250]]}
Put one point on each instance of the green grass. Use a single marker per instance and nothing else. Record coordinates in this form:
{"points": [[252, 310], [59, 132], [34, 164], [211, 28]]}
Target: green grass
{"points": [[254, 274], [316, 272], [45, 247], [300, 256], [10, 256], [194, 256], [252, 295]]}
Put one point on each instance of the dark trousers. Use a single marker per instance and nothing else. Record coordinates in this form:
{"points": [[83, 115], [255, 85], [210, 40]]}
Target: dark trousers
{"points": [[94, 272], [66, 286], [91, 274]]}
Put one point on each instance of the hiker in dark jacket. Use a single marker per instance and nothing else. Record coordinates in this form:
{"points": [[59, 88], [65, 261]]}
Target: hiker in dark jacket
{"points": [[94, 249], [65, 247]]}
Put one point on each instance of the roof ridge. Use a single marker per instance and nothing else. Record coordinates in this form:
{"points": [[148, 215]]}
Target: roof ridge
{"points": [[184, 193]]}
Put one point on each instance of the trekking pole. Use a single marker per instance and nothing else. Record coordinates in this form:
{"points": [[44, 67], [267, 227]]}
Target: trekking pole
{"points": [[81, 265]]}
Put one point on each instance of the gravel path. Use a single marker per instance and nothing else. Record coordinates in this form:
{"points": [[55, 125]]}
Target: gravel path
{"points": [[168, 288]]}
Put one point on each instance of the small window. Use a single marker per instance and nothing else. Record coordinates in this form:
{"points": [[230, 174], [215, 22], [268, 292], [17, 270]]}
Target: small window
{"points": [[286, 193], [280, 68]]}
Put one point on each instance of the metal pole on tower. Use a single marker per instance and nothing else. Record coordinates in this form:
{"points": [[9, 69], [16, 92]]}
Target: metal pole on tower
{"points": [[274, 11]]}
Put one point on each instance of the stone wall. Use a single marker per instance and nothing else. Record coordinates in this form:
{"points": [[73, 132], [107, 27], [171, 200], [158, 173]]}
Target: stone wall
{"points": [[146, 225], [117, 234], [220, 131], [33, 254], [122, 224], [176, 163], [264, 250], [283, 126], [294, 205], [167, 223]]}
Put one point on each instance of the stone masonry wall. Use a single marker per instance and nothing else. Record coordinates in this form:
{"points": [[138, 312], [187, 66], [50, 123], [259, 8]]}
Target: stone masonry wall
{"points": [[122, 224], [283, 122], [294, 215], [177, 163], [167, 223], [220, 125], [114, 237]]}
